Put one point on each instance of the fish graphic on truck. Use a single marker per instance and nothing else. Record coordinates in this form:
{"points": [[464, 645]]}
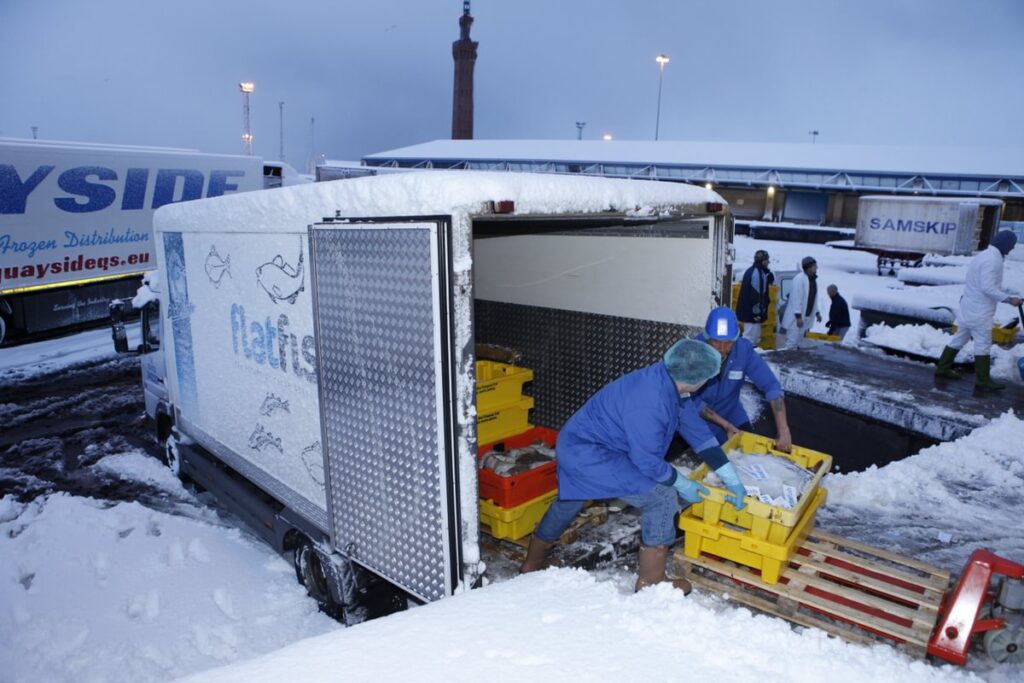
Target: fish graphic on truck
{"points": [[281, 280]]}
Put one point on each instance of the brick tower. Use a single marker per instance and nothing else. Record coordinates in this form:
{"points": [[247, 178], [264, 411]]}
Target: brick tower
{"points": [[464, 52]]}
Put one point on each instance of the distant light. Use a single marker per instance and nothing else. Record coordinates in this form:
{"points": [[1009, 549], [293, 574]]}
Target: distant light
{"points": [[662, 59], [707, 186], [246, 87], [606, 136], [771, 190]]}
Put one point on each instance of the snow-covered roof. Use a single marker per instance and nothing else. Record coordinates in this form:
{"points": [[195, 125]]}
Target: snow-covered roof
{"points": [[956, 161], [291, 209]]}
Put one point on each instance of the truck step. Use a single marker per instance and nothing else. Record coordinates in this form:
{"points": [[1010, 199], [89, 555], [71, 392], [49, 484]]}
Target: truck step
{"points": [[848, 589]]}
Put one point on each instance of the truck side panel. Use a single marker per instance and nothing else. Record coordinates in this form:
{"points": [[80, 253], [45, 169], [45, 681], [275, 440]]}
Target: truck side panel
{"points": [[242, 365], [70, 213], [917, 225]]}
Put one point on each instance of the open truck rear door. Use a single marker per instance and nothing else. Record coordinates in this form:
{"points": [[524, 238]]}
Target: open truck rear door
{"points": [[384, 297]]}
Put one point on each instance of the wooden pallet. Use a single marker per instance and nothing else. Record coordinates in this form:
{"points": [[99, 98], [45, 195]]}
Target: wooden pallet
{"points": [[845, 588]]}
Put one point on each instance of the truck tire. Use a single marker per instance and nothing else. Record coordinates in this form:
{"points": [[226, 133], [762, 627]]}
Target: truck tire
{"points": [[172, 457], [311, 573], [3, 328]]}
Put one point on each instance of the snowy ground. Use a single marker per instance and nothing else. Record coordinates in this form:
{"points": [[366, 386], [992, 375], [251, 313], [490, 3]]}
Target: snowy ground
{"points": [[111, 571]]}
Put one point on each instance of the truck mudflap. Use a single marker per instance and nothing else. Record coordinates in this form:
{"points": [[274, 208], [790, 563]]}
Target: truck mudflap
{"points": [[384, 307]]}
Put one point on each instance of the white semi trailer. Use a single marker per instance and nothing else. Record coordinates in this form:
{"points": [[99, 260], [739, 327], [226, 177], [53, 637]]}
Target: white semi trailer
{"points": [[310, 351], [75, 221], [902, 230]]}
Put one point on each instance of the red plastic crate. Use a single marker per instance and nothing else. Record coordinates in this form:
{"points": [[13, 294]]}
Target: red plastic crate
{"points": [[508, 492]]}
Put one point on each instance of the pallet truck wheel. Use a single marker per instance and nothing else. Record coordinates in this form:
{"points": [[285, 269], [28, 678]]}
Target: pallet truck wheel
{"points": [[1006, 645]]}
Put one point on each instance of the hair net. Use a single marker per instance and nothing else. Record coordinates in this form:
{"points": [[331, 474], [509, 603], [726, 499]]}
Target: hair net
{"points": [[1004, 241], [692, 362]]}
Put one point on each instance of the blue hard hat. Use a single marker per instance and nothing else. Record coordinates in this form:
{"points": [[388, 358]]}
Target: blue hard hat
{"points": [[722, 325]]}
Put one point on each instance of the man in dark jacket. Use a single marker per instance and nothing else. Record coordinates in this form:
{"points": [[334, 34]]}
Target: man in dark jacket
{"points": [[752, 302], [615, 445], [838, 314]]}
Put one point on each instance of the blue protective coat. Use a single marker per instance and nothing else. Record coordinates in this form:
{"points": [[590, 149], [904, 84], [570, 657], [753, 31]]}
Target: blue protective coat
{"points": [[722, 393], [615, 444]]}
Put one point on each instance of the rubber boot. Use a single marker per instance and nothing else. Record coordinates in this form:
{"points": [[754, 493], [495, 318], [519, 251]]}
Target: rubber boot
{"points": [[652, 569], [945, 367], [983, 380], [536, 556]]}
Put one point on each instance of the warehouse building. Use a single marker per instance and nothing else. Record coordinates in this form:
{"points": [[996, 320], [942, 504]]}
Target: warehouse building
{"points": [[814, 184]]}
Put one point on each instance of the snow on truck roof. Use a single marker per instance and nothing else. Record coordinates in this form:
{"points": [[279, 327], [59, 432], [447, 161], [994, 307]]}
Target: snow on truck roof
{"points": [[291, 209]]}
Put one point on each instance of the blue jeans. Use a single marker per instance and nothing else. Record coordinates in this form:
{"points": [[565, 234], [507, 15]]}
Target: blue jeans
{"points": [[658, 509]]}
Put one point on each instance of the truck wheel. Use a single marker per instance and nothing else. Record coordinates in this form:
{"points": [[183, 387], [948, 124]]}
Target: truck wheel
{"points": [[172, 456], [3, 329], [311, 573]]}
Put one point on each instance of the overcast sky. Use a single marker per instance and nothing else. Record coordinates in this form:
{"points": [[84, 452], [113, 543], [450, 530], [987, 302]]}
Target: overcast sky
{"points": [[377, 75]]}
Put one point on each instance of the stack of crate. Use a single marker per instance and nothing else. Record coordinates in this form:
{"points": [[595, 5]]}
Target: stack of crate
{"points": [[760, 536], [768, 326], [511, 506]]}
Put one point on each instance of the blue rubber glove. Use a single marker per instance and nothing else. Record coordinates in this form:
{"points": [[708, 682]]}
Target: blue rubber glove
{"points": [[727, 473], [689, 490]]}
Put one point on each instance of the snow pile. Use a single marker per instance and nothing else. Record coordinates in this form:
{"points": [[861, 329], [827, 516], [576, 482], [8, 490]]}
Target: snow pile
{"points": [[292, 209], [915, 303], [941, 503], [92, 590], [564, 623], [932, 276]]}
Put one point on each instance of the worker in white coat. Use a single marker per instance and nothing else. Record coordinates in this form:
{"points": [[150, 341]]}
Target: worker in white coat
{"points": [[983, 289], [802, 305]]}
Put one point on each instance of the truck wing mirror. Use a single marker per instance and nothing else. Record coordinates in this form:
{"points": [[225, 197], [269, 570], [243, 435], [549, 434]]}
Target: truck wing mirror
{"points": [[117, 329]]}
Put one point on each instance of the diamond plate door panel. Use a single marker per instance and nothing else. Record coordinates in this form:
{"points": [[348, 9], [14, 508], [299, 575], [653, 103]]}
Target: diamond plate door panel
{"points": [[379, 303]]}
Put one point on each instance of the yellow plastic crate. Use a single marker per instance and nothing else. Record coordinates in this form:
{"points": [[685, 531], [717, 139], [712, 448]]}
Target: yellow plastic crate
{"points": [[499, 384], [503, 422], [742, 547], [514, 523], [765, 522]]}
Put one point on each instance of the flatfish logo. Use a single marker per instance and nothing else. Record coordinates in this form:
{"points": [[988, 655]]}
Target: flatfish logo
{"points": [[273, 404], [261, 440], [217, 267], [281, 280]]}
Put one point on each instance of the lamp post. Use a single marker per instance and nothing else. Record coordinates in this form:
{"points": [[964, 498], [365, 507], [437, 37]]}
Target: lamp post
{"points": [[813, 134], [579, 129], [247, 89], [662, 60]]}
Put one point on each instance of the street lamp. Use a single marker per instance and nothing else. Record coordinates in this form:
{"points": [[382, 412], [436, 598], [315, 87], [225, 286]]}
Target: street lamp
{"points": [[247, 89], [579, 129], [813, 134], [662, 60]]}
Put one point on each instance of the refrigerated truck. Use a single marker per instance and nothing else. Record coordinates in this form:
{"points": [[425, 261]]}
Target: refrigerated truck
{"points": [[76, 221], [310, 352]]}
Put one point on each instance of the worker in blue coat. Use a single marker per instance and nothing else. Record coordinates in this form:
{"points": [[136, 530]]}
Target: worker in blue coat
{"points": [[719, 398], [615, 445]]}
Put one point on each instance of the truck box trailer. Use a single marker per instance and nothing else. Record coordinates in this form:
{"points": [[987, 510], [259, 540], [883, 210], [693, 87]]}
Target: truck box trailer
{"points": [[310, 353], [904, 229], [75, 221]]}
